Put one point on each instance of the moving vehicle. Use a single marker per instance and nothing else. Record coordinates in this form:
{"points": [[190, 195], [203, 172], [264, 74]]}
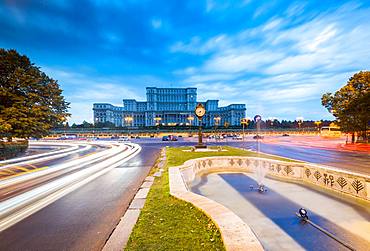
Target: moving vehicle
{"points": [[330, 131], [257, 137], [123, 139], [169, 138], [237, 137]]}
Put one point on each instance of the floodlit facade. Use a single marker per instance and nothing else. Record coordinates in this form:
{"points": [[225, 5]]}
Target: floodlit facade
{"points": [[169, 107]]}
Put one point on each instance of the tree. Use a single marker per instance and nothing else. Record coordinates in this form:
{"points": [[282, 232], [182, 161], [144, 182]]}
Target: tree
{"points": [[105, 124], [350, 105], [86, 124], [30, 102]]}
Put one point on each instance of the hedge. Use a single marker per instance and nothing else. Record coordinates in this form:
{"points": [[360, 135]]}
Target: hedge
{"points": [[12, 149]]}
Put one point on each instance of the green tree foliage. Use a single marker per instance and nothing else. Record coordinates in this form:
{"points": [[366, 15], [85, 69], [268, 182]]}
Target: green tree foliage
{"points": [[105, 124], [30, 102], [84, 124], [351, 104]]}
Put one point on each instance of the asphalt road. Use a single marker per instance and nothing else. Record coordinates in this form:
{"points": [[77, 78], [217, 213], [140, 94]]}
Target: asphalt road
{"points": [[21, 168], [37, 149], [16, 189], [84, 219], [343, 159], [346, 160]]}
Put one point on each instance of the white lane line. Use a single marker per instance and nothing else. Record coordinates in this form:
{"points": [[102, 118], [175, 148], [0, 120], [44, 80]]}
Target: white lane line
{"points": [[71, 148], [86, 147], [83, 160], [42, 190], [57, 189]]}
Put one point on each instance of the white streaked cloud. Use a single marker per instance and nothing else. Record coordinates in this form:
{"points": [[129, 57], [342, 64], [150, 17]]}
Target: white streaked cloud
{"points": [[82, 90], [156, 23], [276, 66]]}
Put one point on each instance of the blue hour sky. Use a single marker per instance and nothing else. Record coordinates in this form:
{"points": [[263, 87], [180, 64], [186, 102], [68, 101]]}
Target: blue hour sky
{"points": [[277, 57]]}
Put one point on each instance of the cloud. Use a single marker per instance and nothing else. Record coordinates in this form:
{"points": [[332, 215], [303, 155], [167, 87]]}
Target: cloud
{"points": [[272, 24], [196, 45], [82, 90], [156, 23], [278, 65], [240, 59]]}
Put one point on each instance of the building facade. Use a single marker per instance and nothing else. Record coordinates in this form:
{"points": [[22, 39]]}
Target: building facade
{"points": [[170, 107]]}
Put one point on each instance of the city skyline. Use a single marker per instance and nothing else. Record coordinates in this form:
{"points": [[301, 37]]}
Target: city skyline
{"points": [[277, 57]]}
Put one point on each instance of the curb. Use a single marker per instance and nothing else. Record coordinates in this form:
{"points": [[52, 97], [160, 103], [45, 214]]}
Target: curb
{"points": [[118, 239]]}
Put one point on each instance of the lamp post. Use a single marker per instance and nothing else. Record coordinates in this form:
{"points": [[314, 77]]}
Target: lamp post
{"points": [[300, 121], [244, 122], [157, 123], [200, 111], [129, 120], [190, 119], [318, 123], [217, 122], [257, 120]]}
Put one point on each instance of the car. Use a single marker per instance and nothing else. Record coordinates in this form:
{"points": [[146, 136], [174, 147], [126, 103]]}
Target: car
{"points": [[257, 137], [237, 137], [169, 138], [172, 138], [123, 139], [137, 137], [285, 135]]}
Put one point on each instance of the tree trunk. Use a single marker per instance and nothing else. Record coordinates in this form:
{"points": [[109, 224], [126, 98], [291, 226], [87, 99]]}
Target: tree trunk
{"points": [[353, 138]]}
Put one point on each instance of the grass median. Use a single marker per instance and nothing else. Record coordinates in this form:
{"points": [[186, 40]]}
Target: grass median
{"points": [[167, 223]]}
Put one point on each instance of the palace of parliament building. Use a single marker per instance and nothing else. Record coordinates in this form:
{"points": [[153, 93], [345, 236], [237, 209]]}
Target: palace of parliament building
{"points": [[168, 106]]}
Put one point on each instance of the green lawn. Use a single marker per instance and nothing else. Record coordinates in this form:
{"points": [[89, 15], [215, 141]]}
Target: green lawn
{"points": [[166, 223]]}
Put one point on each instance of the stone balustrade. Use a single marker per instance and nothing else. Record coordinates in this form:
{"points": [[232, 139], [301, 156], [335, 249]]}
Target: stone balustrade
{"points": [[329, 178]]}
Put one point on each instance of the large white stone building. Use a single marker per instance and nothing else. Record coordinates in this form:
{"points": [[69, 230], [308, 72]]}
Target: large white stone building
{"points": [[167, 106]]}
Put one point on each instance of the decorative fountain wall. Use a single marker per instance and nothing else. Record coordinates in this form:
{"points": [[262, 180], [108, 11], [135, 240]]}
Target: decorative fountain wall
{"points": [[332, 179]]}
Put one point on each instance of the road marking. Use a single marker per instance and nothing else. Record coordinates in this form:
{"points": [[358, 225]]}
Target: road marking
{"points": [[53, 156], [21, 206], [21, 168], [71, 148], [78, 161], [10, 176]]}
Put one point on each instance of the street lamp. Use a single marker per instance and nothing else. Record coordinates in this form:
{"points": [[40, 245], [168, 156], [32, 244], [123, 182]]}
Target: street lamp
{"points": [[129, 120], [157, 123], [217, 122], [244, 122], [318, 123], [257, 119], [300, 121], [190, 119]]}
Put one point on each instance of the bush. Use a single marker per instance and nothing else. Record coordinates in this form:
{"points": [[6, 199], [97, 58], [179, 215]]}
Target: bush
{"points": [[12, 149]]}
